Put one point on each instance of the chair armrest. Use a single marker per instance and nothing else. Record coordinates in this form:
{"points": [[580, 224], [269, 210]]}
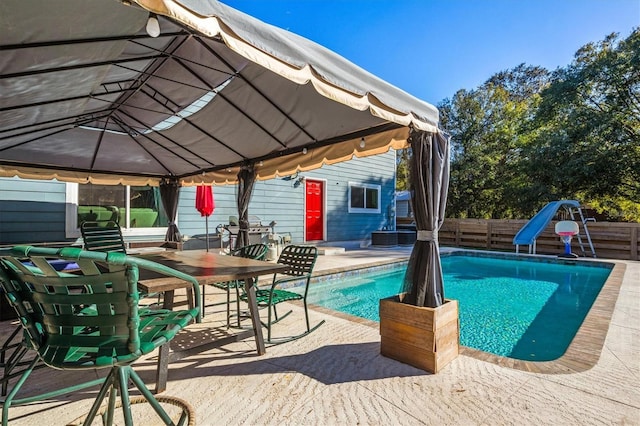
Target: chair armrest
{"points": [[288, 278]]}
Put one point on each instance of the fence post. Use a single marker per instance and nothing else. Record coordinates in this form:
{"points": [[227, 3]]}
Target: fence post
{"points": [[634, 243], [489, 231]]}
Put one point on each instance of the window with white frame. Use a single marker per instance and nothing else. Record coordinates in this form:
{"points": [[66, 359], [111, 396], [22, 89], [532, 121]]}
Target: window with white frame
{"points": [[137, 209], [364, 198]]}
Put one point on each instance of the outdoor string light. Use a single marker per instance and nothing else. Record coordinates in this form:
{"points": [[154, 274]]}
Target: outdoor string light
{"points": [[153, 26]]}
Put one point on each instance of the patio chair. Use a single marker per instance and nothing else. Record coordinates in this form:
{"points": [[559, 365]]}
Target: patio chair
{"points": [[253, 251], [13, 358], [106, 236], [102, 235], [300, 260], [89, 319]]}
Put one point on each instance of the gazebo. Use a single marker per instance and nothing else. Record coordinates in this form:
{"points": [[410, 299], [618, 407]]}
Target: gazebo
{"points": [[187, 92]]}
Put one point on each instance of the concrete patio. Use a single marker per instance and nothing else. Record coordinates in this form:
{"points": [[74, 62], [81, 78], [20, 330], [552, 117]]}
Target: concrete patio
{"points": [[336, 375]]}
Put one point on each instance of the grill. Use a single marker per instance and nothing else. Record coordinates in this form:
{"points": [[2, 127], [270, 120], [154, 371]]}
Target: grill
{"points": [[258, 232]]}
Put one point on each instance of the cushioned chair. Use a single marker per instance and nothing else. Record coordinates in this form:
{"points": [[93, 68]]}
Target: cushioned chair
{"points": [[253, 251], [89, 319], [300, 261]]}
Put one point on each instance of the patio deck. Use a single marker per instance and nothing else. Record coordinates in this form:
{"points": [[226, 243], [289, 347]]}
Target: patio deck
{"points": [[336, 375]]}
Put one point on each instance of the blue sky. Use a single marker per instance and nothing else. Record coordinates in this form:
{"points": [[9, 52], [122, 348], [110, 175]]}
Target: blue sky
{"points": [[432, 49]]}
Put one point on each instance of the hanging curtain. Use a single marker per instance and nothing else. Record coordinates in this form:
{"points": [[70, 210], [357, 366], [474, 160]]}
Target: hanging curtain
{"points": [[429, 185], [246, 181], [170, 191]]}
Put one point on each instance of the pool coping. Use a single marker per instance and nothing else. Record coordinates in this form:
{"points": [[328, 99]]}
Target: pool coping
{"points": [[582, 353]]}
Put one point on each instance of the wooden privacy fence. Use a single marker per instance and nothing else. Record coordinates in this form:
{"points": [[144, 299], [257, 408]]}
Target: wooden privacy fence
{"points": [[610, 239]]}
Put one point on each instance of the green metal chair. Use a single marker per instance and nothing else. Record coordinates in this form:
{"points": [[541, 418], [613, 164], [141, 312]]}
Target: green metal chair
{"points": [[105, 236], [13, 358], [252, 251], [300, 261], [89, 320]]}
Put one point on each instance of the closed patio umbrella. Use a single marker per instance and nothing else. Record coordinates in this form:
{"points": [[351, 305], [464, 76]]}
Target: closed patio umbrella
{"points": [[205, 205]]}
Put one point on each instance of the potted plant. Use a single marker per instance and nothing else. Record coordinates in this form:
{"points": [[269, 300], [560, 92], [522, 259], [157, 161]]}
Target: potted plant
{"points": [[419, 326]]}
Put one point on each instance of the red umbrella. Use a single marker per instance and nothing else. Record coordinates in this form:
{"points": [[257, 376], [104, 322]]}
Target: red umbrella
{"points": [[205, 205]]}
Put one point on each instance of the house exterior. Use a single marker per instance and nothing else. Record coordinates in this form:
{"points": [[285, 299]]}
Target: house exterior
{"points": [[340, 202]]}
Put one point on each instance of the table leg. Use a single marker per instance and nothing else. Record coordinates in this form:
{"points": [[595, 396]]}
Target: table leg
{"points": [[167, 300], [250, 288], [162, 371]]}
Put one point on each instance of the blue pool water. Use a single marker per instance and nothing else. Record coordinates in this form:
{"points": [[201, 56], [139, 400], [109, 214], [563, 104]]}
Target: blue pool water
{"points": [[522, 309]]}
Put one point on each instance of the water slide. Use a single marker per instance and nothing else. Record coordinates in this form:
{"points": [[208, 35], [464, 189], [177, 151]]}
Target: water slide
{"points": [[529, 232]]}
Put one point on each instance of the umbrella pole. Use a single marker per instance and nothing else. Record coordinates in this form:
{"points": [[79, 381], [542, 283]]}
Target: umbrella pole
{"points": [[206, 232]]}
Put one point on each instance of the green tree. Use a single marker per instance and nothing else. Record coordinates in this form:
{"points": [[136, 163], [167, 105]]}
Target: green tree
{"points": [[489, 128], [402, 169], [586, 135]]}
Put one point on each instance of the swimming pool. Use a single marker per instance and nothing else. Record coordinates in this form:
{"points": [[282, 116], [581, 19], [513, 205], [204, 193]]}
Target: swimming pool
{"points": [[523, 308]]}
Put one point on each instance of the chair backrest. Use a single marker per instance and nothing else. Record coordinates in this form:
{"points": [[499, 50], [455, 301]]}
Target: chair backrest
{"points": [[252, 251], [81, 320], [299, 259], [104, 236]]}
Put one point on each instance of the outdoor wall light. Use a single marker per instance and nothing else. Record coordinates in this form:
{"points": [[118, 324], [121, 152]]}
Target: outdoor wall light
{"points": [[153, 26], [304, 151]]}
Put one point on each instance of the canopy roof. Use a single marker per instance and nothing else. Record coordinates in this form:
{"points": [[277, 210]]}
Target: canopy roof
{"points": [[88, 96]]}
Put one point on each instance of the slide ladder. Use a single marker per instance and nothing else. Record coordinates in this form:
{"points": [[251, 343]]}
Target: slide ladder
{"points": [[528, 234], [578, 211]]}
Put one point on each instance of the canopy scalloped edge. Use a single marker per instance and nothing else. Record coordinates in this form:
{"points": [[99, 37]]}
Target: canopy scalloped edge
{"points": [[268, 169], [213, 26], [314, 158]]}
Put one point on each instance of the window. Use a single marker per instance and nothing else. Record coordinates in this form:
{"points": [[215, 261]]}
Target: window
{"points": [[137, 209], [364, 198]]}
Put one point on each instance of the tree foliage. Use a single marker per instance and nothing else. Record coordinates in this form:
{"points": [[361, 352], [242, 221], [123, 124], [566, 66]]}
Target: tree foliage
{"points": [[591, 117], [488, 133], [402, 169], [528, 136]]}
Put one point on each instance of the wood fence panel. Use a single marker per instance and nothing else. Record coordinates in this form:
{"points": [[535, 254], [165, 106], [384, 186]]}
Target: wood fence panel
{"points": [[610, 239], [472, 233]]}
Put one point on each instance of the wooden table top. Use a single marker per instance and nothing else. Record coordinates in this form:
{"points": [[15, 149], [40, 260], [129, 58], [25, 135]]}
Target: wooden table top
{"points": [[208, 267]]}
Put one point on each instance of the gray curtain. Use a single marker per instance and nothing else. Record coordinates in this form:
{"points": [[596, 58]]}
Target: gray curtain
{"points": [[169, 192], [246, 181], [429, 185]]}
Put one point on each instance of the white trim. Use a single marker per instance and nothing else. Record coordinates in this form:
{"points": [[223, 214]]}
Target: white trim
{"points": [[378, 188], [71, 229]]}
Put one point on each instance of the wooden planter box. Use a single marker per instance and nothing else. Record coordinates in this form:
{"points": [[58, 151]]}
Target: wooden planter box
{"points": [[426, 338]]}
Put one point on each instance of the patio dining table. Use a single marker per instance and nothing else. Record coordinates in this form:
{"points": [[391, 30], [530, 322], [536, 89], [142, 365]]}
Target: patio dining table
{"points": [[207, 268]]}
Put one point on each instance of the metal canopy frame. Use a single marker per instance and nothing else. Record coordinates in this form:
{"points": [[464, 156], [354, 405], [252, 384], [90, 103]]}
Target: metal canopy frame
{"points": [[141, 80]]}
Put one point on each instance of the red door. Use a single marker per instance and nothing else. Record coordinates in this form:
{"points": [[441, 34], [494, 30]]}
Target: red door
{"points": [[314, 222]]}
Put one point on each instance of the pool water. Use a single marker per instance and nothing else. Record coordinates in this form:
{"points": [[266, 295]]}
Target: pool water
{"points": [[523, 309]]}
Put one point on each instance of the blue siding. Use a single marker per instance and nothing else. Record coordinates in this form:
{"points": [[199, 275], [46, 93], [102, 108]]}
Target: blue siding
{"points": [[34, 211], [31, 211], [282, 200]]}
